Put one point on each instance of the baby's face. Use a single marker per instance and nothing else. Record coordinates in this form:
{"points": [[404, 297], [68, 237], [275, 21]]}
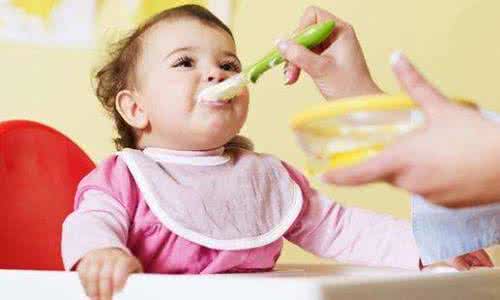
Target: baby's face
{"points": [[179, 59]]}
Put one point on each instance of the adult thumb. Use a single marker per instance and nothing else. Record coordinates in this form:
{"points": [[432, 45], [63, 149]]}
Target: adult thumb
{"points": [[313, 64], [418, 88]]}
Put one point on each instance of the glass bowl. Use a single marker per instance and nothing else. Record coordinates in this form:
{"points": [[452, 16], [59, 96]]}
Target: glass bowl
{"points": [[345, 132]]}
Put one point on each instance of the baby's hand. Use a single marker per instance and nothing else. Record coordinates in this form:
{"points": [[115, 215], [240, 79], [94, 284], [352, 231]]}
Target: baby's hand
{"points": [[104, 272], [464, 262], [474, 259]]}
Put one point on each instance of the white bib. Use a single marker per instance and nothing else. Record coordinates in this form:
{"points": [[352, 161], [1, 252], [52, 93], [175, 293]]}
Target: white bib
{"points": [[239, 200]]}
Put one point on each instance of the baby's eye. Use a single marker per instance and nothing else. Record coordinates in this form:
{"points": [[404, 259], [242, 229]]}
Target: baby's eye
{"points": [[184, 62], [232, 66]]}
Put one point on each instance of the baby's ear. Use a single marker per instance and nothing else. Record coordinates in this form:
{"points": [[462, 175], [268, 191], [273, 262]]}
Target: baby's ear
{"points": [[131, 110]]}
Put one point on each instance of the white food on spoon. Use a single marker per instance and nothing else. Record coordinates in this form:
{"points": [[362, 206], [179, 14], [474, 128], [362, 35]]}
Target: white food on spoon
{"points": [[224, 91]]}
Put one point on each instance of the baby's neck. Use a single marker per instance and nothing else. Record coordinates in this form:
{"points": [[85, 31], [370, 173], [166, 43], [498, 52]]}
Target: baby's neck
{"points": [[165, 151], [152, 142]]}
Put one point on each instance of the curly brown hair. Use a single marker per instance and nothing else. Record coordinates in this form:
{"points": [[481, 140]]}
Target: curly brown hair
{"points": [[119, 72]]}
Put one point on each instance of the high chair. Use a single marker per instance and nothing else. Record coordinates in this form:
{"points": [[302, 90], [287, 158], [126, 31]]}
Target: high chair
{"points": [[39, 172]]}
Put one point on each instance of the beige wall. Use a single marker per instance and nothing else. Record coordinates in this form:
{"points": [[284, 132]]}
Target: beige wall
{"points": [[455, 42]]}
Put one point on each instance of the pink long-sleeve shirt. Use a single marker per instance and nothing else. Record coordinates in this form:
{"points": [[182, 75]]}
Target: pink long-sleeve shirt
{"points": [[112, 211]]}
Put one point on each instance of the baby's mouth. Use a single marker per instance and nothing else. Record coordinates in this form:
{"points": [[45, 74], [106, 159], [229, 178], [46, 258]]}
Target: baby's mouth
{"points": [[206, 99], [215, 103]]}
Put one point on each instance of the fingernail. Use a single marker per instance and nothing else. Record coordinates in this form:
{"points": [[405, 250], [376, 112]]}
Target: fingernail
{"points": [[283, 45], [286, 76], [396, 57], [280, 38]]}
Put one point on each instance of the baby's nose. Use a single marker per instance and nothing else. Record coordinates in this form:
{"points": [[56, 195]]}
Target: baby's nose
{"points": [[216, 76]]}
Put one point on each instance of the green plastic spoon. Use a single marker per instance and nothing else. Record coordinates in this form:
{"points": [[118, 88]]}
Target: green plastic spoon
{"points": [[231, 87]]}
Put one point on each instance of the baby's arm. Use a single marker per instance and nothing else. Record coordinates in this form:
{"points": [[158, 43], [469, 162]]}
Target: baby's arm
{"points": [[94, 243], [330, 230]]}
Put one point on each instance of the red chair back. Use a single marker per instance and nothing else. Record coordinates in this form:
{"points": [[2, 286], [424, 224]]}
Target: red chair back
{"points": [[39, 171]]}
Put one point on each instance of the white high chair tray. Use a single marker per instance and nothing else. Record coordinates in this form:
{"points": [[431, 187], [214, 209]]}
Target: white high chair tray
{"points": [[311, 282]]}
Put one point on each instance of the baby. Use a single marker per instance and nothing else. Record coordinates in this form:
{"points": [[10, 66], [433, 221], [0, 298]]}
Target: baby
{"points": [[186, 194]]}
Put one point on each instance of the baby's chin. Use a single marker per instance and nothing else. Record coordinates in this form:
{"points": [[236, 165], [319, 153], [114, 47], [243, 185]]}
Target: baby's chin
{"points": [[218, 132]]}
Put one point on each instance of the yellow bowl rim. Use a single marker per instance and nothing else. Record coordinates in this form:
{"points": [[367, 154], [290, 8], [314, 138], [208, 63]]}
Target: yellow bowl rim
{"points": [[353, 104], [361, 103]]}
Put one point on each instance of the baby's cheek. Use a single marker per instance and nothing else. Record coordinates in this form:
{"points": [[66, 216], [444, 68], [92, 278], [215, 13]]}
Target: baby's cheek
{"points": [[241, 107], [245, 95]]}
